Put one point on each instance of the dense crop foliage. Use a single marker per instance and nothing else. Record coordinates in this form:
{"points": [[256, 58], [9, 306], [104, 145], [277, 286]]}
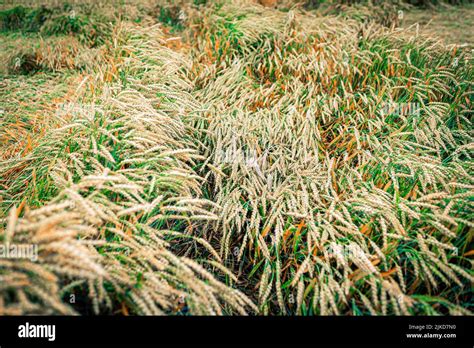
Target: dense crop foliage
{"points": [[233, 158]]}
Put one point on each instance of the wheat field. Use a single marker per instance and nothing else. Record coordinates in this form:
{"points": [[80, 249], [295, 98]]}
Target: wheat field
{"points": [[233, 158]]}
